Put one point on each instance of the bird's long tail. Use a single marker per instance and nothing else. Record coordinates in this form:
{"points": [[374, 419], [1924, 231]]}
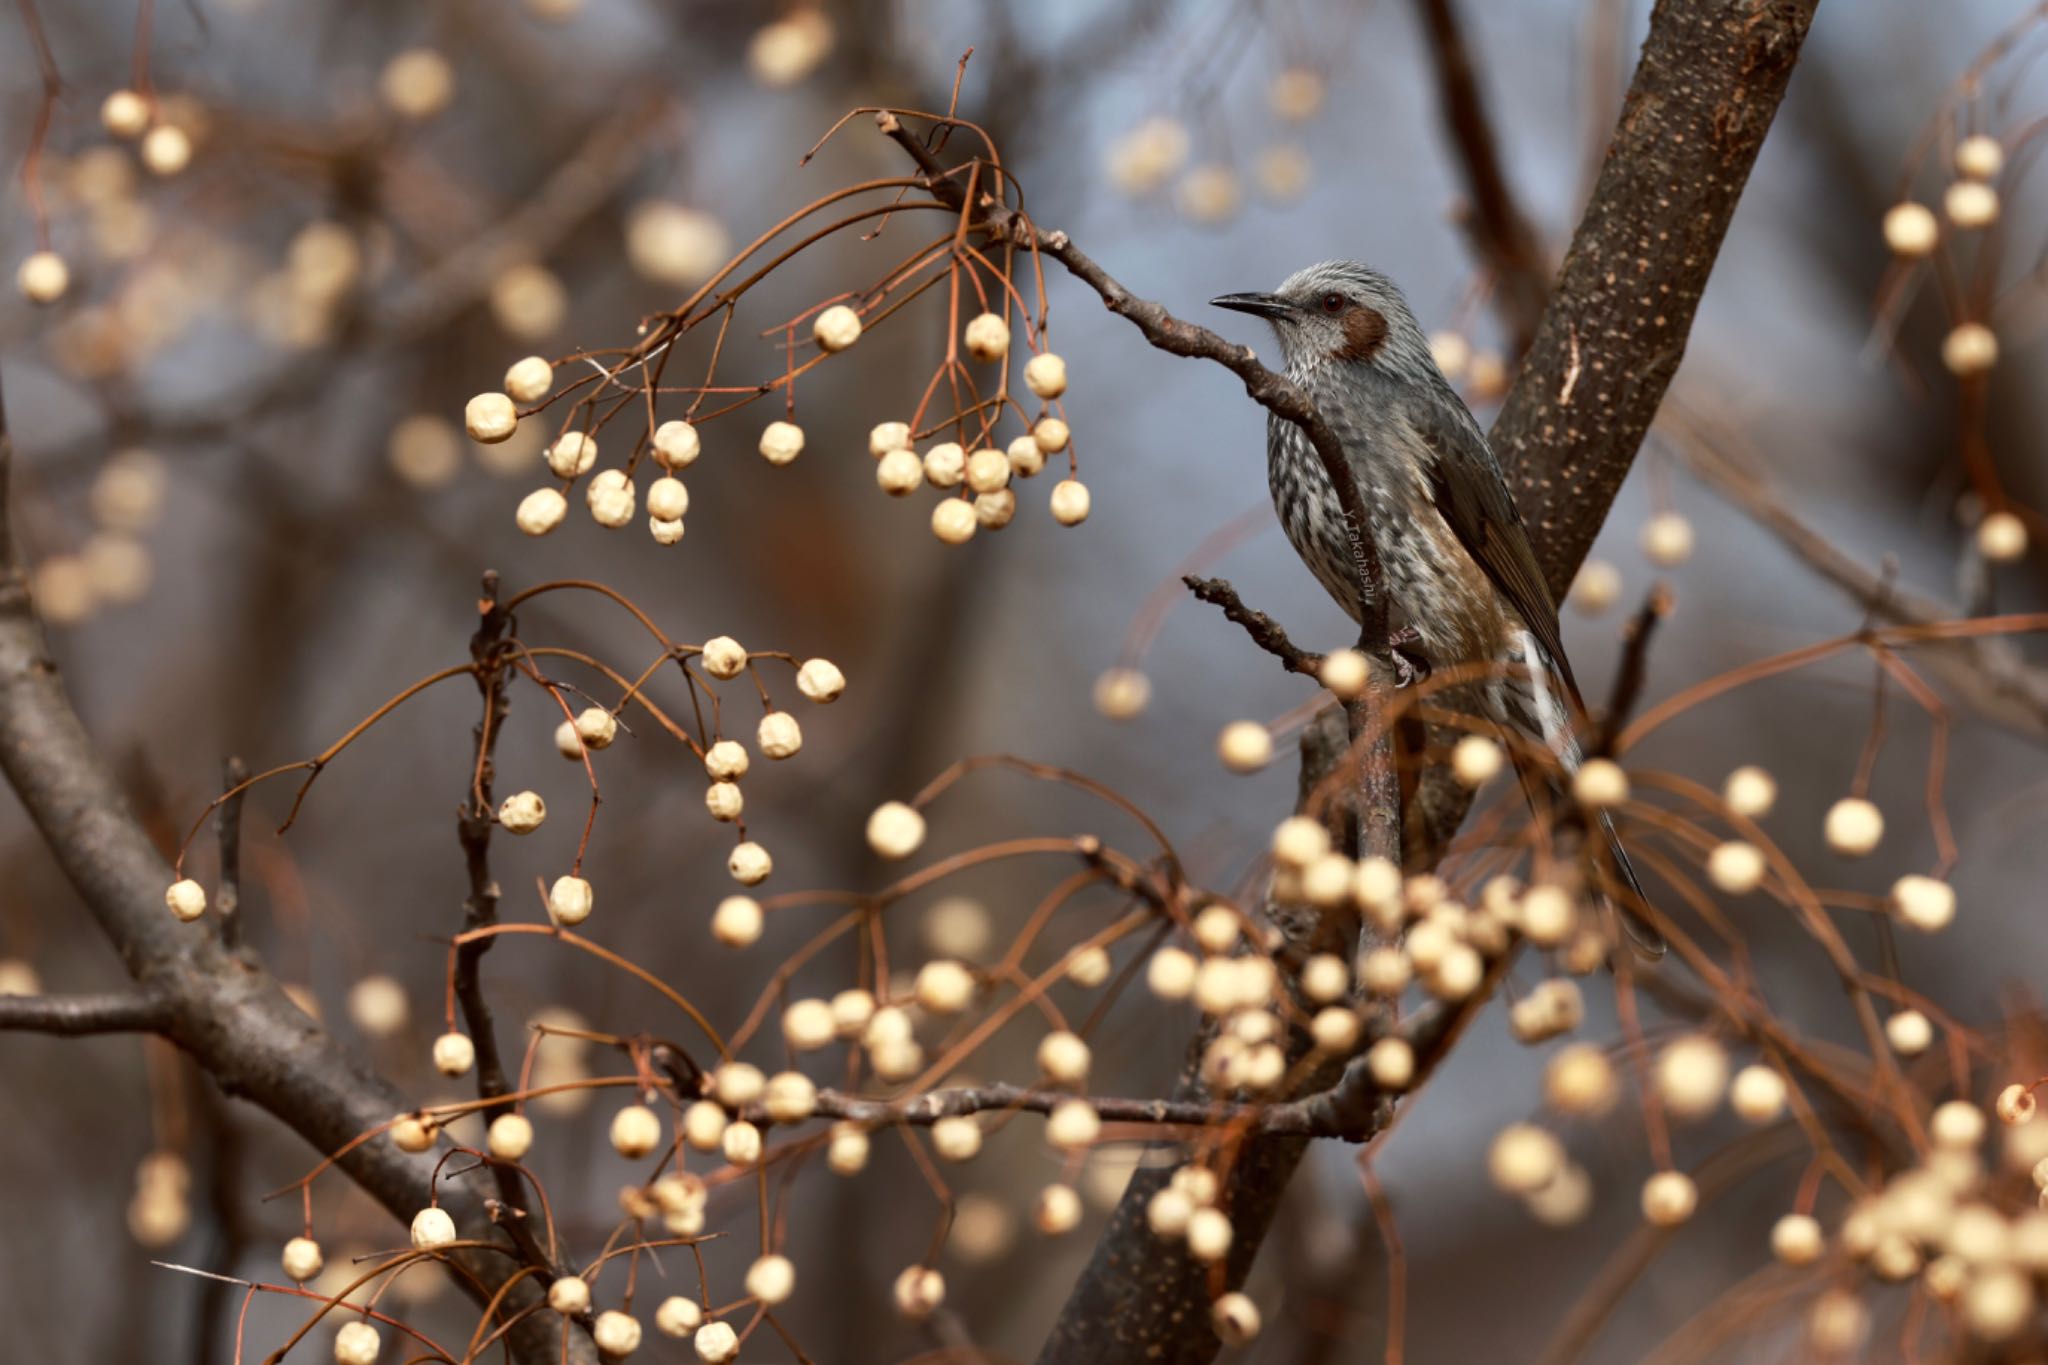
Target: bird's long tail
{"points": [[1544, 713]]}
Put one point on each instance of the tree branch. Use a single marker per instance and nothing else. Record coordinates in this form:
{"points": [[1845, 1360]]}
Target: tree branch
{"points": [[75, 1016], [221, 1007], [1501, 236], [1266, 633], [1709, 81]]}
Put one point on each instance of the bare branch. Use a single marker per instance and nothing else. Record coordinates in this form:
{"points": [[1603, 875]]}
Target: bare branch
{"points": [[72, 1016], [1266, 633]]}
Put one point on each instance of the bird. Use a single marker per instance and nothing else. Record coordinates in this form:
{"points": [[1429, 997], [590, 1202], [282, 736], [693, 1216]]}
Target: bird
{"points": [[1463, 585]]}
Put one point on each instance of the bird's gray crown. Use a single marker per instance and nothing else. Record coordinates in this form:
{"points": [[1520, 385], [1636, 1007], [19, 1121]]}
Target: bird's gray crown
{"points": [[1314, 331]]}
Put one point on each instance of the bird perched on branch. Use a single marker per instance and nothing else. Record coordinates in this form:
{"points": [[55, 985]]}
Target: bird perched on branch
{"points": [[1462, 584]]}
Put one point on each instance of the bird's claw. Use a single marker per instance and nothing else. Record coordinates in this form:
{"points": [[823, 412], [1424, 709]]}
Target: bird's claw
{"points": [[1410, 667]]}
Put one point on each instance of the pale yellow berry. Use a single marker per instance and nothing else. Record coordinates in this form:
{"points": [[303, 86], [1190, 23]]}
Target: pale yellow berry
{"points": [[807, 1024], [1580, 1079], [1757, 1094], [1958, 1124], [302, 1259], [716, 1343], [953, 521], [944, 986], [432, 1228], [125, 114], [724, 801], [837, 328], [1736, 866], [726, 760], [1796, 1239], [166, 149], [1170, 974], [895, 830], [704, 1124], [1548, 915], [414, 1132], [569, 1295], [1910, 230], [1070, 502], [1345, 672], [1838, 1323], [1667, 539], [1121, 693], [529, 379], [2002, 538], [1853, 827], [1391, 1062], [899, 472], [1596, 588], [1026, 459], [186, 899], [1476, 760], [357, 1343], [611, 497], [919, 1291], [771, 1279], [454, 1054], [781, 442], [722, 657], [665, 532], [596, 727], [674, 244], [1050, 435], [509, 1137], [1168, 1211], [43, 277], [1235, 1319], [1296, 93], [522, 812], [1524, 1158], [852, 1011], [1909, 1032], [1072, 1124], [1063, 1058], [1553, 1007], [1089, 967], [1970, 348], [1970, 204], [635, 1131], [667, 499], [988, 471], [741, 1144], [490, 418], [737, 1084], [676, 445], [1979, 156], [1046, 375], [956, 1138], [1692, 1075], [945, 465], [616, 1334], [1669, 1198], [749, 863], [572, 454], [541, 511], [570, 900], [679, 1317], [1925, 903], [1600, 783], [2015, 1105], [417, 83], [987, 337], [1998, 1302], [1245, 746], [1209, 1235], [1750, 792], [887, 436], [994, 511]]}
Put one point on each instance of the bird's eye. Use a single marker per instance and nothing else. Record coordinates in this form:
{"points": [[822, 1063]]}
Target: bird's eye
{"points": [[1333, 304]]}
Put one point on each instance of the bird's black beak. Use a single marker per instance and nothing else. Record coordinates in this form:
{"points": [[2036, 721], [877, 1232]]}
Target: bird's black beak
{"points": [[1269, 306]]}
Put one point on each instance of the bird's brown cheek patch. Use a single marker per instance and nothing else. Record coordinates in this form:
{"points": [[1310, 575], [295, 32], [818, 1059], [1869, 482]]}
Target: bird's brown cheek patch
{"points": [[1365, 331]]}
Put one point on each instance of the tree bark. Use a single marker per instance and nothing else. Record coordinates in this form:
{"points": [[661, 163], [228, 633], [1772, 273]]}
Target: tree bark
{"points": [[1708, 83]]}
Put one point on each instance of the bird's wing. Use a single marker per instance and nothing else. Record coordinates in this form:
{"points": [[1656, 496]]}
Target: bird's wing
{"points": [[1471, 495]]}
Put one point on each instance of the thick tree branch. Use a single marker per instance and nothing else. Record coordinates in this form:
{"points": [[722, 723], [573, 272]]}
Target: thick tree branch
{"points": [[220, 1006], [1705, 90], [1501, 236], [72, 1016]]}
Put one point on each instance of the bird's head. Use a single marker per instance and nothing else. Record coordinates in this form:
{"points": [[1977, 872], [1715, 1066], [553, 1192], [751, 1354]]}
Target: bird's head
{"points": [[1337, 313]]}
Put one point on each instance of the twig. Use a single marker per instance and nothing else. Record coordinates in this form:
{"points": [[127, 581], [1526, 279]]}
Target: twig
{"points": [[1266, 633], [73, 1016]]}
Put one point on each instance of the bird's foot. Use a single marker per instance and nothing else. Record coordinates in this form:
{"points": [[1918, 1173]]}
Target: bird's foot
{"points": [[1410, 665]]}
